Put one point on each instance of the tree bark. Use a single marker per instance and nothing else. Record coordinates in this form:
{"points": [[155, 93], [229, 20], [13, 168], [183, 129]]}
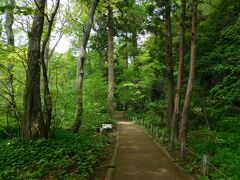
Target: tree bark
{"points": [[47, 108], [187, 102], [33, 122], [170, 95], [134, 43], [176, 113], [1, 28], [9, 22], [80, 70], [126, 46], [110, 63]]}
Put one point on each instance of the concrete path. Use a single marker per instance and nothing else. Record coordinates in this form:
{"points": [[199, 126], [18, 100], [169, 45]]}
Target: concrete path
{"points": [[139, 158]]}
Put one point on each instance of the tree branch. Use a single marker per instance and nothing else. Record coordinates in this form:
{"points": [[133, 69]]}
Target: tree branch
{"points": [[41, 10]]}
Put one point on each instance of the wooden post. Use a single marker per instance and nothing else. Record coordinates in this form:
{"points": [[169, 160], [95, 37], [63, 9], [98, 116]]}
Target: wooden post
{"points": [[163, 136], [156, 129], [133, 119], [205, 170]]}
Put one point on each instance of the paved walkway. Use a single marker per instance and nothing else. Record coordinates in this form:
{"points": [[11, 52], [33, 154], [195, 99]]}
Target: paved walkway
{"points": [[139, 158]]}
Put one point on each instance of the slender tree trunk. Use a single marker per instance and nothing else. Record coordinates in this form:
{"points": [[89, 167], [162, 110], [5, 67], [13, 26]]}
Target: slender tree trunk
{"points": [[33, 122], [176, 113], [187, 102], [14, 104], [134, 43], [80, 70], [46, 54], [126, 55], [126, 45], [10, 40], [47, 108], [9, 22], [110, 63], [102, 59], [1, 28], [170, 96]]}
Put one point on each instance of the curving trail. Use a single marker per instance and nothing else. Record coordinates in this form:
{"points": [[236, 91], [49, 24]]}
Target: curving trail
{"points": [[139, 158]]}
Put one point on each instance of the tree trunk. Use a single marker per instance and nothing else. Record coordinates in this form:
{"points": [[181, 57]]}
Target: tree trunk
{"points": [[33, 122], [170, 96], [176, 113], [134, 43], [80, 70], [47, 108], [126, 46], [102, 60], [9, 22], [187, 102], [46, 54], [1, 28], [9, 19], [110, 63]]}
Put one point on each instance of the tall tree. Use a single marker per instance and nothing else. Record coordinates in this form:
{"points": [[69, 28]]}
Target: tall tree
{"points": [[170, 96], [80, 69], [176, 113], [110, 62], [9, 20], [33, 121], [187, 101], [47, 109]]}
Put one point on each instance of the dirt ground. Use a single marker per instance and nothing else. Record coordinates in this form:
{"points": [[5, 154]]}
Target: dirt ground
{"points": [[139, 158]]}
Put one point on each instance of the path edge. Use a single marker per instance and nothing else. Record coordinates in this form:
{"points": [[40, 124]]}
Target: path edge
{"points": [[166, 153], [112, 164]]}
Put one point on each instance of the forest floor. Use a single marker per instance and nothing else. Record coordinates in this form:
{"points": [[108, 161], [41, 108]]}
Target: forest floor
{"points": [[140, 158]]}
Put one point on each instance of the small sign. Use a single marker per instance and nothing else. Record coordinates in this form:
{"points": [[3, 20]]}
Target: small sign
{"points": [[106, 126]]}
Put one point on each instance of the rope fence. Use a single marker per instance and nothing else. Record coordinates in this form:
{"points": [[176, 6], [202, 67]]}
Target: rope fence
{"points": [[149, 127]]}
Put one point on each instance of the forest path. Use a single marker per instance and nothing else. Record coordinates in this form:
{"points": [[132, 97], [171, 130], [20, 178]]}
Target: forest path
{"points": [[139, 157]]}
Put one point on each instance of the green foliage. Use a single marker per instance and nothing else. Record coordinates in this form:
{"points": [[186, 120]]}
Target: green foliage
{"points": [[68, 155], [16, 9], [62, 73], [95, 93], [144, 76], [140, 79], [223, 148], [130, 93]]}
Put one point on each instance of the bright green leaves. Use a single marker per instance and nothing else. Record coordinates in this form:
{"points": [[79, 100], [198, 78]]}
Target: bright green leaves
{"points": [[130, 93], [16, 9], [224, 59], [106, 3]]}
